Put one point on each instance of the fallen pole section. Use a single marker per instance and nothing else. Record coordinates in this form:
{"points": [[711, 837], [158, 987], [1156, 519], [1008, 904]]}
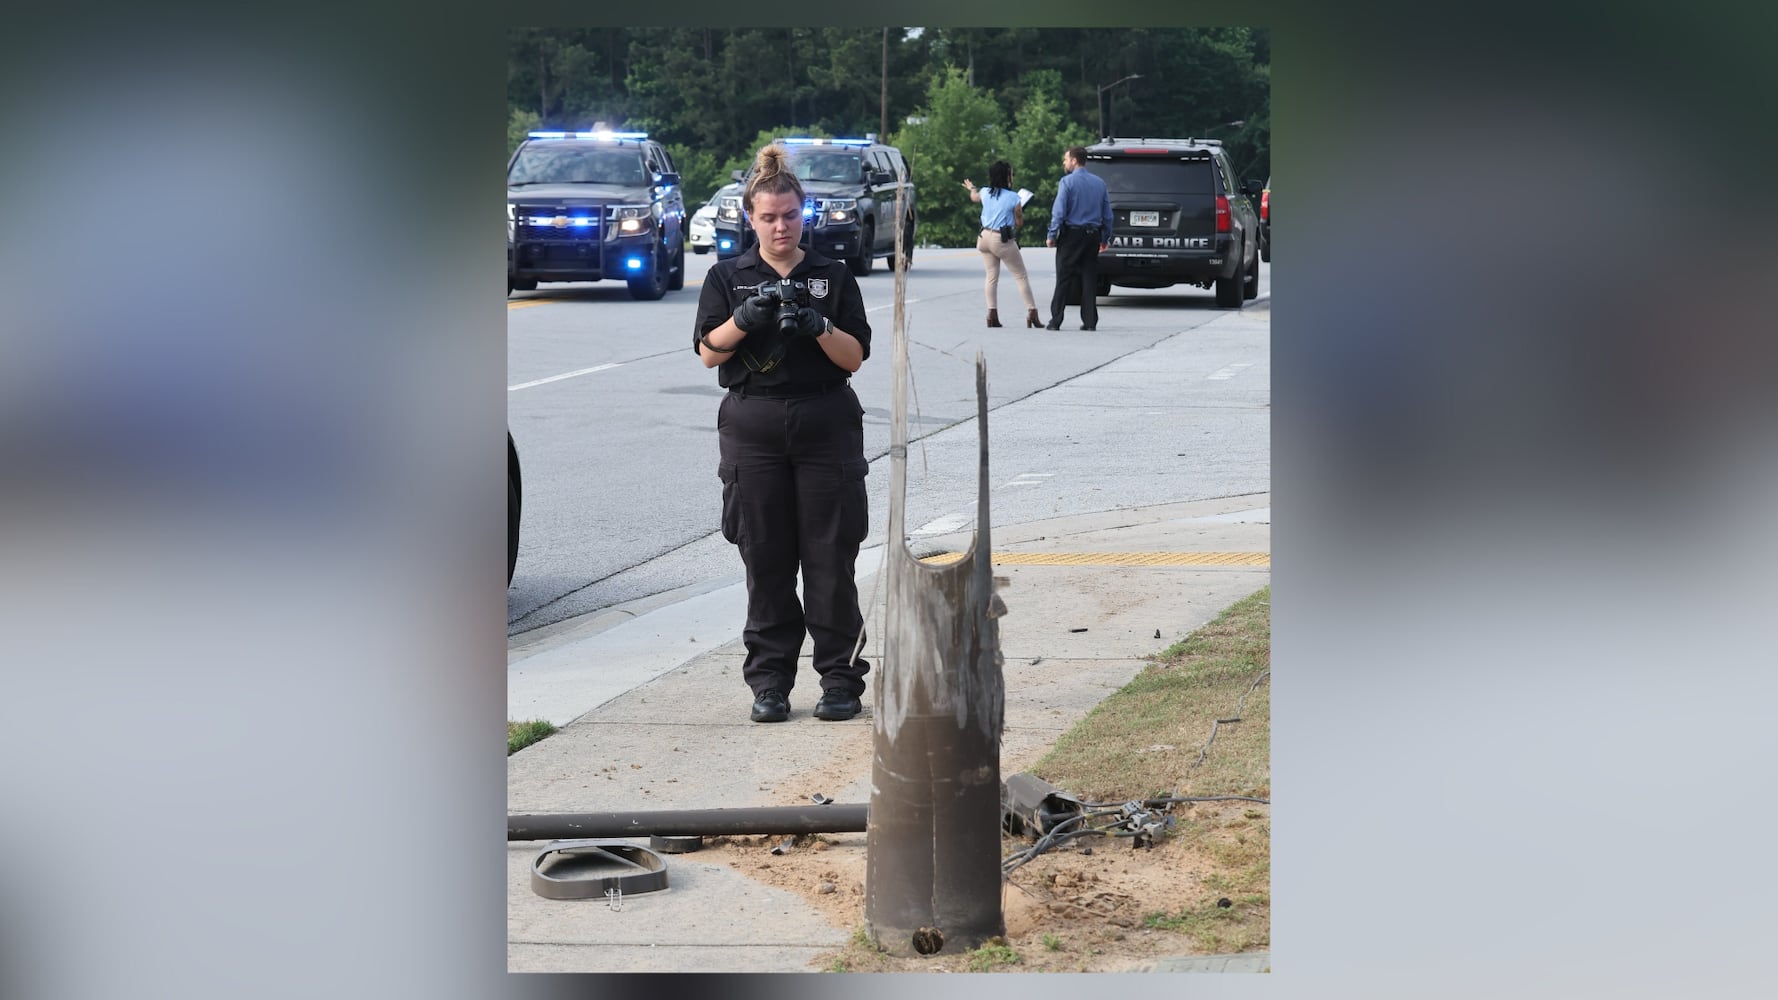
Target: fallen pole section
{"points": [[835, 817]]}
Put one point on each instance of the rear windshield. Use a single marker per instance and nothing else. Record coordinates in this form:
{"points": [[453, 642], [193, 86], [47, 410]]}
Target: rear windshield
{"points": [[549, 163], [1154, 175]]}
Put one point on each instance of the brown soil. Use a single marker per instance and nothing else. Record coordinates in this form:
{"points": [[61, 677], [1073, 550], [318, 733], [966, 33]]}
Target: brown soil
{"points": [[1077, 909]]}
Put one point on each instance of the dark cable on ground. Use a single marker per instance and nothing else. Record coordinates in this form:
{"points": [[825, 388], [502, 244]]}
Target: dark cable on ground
{"points": [[1133, 820]]}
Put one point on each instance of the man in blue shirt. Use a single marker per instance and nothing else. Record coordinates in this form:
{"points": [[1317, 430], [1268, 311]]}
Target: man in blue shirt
{"points": [[1080, 227]]}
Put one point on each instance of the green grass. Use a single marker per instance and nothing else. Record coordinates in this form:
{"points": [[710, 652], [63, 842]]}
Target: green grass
{"points": [[1052, 943], [1243, 925], [991, 956], [520, 735], [1144, 740]]}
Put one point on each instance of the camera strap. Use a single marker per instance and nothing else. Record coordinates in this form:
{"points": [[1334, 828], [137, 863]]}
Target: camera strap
{"points": [[773, 356]]}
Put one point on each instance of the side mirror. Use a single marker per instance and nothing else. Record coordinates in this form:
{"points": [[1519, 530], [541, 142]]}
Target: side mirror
{"points": [[667, 180], [882, 177], [1253, 188]]}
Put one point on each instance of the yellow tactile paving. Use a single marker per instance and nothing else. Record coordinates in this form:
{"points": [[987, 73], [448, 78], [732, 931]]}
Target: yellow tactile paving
{"points": [[1115, 558]]}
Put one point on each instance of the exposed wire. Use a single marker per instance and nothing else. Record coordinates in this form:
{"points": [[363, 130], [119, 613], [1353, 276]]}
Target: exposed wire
{"points": [[1239, 702]]}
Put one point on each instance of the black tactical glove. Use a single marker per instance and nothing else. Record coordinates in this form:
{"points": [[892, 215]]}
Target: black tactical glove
{"points": [[810, 323], [757, 314]]}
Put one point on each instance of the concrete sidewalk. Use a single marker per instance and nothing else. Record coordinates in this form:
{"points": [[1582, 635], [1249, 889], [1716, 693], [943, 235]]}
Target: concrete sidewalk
{"points": [[1084, 602]]}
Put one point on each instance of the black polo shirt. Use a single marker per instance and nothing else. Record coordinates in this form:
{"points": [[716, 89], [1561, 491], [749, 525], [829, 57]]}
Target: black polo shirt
{"points": [[789, 362]]}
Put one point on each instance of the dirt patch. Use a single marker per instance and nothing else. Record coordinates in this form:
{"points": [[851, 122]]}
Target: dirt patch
{"points": [[1096, 906]]}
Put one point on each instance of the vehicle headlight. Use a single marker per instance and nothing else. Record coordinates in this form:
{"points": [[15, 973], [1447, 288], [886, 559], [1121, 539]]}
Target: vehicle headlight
{"points": [[632, 220], [839, 210], [509, 222], [729, 209]]}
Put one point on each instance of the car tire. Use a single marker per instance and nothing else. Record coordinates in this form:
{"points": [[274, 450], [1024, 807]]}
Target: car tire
{"points": [[653, 285], [522, 284], [867, 244], [905, 259], [677, 281], [1104, 287], [1250, 287], [513, 497], [1265, 247], [700, 249], [1228, 290]]}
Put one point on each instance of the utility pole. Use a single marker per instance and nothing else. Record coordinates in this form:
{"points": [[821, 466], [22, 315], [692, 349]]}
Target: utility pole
{"points": [[932, 852]]}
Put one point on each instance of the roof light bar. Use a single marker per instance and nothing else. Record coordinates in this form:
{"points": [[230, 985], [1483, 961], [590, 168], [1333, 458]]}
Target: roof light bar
{"points": [[805, 141], [602, 134]]}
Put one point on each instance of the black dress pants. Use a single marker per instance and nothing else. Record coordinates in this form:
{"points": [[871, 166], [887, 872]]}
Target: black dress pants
{"points": [[793, 498], [1077, 266]]}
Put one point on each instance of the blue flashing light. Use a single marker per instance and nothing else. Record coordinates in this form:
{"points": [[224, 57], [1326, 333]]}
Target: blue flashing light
{"points": [[550, 220], [634, 263], [725, 244], [805, 141]]}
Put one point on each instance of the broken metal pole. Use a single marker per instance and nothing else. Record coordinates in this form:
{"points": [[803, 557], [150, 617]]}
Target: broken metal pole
{"points": [[836, 817], [932, 876]]}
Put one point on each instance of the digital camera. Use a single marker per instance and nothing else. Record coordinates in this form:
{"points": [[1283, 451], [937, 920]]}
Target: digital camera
{"points": [[790, 294]]}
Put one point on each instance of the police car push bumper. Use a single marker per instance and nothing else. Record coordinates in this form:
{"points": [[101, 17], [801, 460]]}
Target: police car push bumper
{"points": [[591, 243]]}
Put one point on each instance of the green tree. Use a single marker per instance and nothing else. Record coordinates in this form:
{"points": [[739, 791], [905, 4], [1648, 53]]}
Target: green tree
{"points": [[519, 124], [956, 134], [1039, 135]]}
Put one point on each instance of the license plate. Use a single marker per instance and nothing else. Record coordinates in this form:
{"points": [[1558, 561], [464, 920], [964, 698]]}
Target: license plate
{"points": [[1145, 218]]}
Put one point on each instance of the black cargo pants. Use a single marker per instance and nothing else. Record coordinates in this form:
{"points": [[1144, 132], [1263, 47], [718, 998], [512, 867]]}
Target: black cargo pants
{"points": [[1077, 265], [793, 497]]}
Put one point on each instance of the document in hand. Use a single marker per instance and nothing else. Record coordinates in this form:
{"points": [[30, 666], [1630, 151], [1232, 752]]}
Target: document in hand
{"points": [[1024, 196]]}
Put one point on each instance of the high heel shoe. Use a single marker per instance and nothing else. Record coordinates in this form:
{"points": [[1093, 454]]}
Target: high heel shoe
{"points": [[1031, 319], [993, 317]]}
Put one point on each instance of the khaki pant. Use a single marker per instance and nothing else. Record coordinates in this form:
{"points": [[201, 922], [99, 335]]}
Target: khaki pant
{"points": [[994, 250]]}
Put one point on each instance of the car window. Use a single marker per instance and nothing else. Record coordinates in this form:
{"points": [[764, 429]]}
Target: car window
{"points": [[549, 164], [1155, 175], [1229, 184], [824, 166]]}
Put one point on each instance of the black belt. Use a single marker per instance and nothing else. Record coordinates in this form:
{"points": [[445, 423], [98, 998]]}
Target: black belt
{"points": [[787, 391], [1066, 228]]}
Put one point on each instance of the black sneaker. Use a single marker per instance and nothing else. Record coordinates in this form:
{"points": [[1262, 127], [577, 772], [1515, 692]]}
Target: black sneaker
{"points": [[837, 707], [771, 706]]}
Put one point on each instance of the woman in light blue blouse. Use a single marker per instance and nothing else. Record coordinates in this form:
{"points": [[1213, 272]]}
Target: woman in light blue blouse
{"points": [[1001, 216]]}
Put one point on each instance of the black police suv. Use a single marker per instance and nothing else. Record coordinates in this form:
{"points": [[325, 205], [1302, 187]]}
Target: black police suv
{"points": [[1179, 216], [586, 206], [850, 212]]}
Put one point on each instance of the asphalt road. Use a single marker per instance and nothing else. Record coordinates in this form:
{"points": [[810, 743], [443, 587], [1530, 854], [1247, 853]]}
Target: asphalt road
{"points": [[614, 418]]}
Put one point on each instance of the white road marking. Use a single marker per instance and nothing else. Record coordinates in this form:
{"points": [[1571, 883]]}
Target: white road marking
{"points": [[558, 378], [1227, 373], [944, 525]]}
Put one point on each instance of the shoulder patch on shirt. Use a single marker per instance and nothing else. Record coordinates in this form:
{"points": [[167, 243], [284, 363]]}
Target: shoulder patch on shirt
{"points": [[818, 287]]}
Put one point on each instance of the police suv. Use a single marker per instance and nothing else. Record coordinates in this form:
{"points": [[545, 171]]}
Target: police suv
{"points": [[1179, 216], [849, 215], [585, 206]]}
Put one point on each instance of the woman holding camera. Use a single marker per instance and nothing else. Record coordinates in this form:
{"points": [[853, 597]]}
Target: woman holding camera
{"points": [[1001, 216], [785, 327]]}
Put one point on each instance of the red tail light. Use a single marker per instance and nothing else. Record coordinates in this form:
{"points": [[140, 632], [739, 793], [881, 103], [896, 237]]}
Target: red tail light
{"points": [[1265, 205], [1222, 214]]}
